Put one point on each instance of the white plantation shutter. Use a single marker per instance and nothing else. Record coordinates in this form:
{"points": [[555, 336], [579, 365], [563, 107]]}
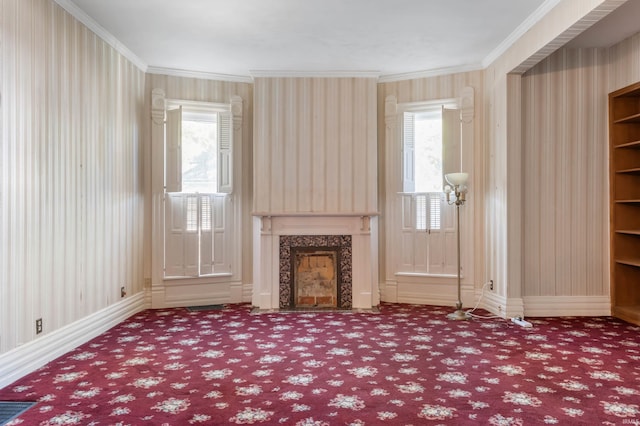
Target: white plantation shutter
{"points": [[435, 241], [451, 163], [206, 235], [408, 153], [225, 151], [196, 235], [451, 152], [181, 240], [421, 211], [435, 207], [222, 234], [173, 151]]}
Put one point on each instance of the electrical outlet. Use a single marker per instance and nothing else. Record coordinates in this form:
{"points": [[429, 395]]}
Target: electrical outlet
{"points": [[123, 293], [39, 326], [491, 285]]}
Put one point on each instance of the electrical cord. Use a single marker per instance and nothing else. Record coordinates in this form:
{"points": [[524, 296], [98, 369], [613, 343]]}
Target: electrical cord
{"points": [[470, 312]]}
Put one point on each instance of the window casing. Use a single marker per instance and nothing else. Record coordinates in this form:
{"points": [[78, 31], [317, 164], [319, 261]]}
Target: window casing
{"points": [[430, 144], [199, 220]]}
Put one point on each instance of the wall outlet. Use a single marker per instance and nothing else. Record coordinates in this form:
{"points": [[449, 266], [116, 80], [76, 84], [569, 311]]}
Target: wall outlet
{"points": [[39, 326], [491, 285], [123, 292]]}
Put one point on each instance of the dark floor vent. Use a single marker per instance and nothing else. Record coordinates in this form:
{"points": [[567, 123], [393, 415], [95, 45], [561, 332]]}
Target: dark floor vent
{"points": [[12, 409], [205, 308]]}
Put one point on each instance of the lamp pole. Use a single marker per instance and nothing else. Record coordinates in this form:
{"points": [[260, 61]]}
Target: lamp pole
{"points": [[459, 190]]}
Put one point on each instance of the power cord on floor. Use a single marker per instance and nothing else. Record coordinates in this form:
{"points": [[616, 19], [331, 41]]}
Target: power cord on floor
{"points": [[470, 312]]}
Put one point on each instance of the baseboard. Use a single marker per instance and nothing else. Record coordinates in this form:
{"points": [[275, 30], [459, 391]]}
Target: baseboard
{"points": [[247, 293], [502, 306], [29, 357], [564, 306], [389, 291]]}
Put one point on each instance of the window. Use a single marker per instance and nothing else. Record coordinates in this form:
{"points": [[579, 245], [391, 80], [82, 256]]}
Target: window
{"points": [[430, 141], [198, 212], [422, 136], [198, 150], [423, 148]]}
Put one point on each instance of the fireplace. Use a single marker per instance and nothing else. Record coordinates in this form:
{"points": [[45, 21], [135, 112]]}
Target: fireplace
{"points": [[315, 271], [277, 236]]}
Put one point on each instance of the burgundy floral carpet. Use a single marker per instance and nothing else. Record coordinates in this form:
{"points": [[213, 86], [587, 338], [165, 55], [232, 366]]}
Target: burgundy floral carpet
{"points": [[407, 365]]}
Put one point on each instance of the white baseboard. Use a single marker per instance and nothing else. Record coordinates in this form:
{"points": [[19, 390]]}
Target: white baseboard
{"points": [[567, 306], [547, 306], [29, 357], [531, 306], [247, 293], [502, 306], [389, 291]]}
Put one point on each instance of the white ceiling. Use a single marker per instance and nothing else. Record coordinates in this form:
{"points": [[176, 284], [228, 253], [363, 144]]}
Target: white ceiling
{"points": [[242, 37]]}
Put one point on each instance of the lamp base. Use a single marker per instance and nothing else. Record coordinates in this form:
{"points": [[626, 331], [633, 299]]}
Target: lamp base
{"points": [[459, 314]]}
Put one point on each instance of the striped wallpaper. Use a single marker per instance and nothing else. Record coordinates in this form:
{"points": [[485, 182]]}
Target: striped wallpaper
{"points": [[315, 145], [71, 194], [565, 184]]}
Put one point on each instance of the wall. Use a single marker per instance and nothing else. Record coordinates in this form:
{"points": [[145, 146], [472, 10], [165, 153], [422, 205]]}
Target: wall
{"points": [[315, 145], [565, 177], [71, 194], [503, 113], [624, 63]]}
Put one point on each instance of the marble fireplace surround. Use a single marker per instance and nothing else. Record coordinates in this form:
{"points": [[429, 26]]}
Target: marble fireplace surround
{"points": [[268, 228]]}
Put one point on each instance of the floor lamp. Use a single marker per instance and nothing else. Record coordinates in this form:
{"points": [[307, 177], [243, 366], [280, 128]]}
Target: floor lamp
{"points": [[457, 186]]}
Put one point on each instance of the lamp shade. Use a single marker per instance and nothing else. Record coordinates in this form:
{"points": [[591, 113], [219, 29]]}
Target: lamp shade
{"points": [[457, 179]]}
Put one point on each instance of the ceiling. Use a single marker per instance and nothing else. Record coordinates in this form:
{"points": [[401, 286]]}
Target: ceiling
{"points": [[245, 37]]}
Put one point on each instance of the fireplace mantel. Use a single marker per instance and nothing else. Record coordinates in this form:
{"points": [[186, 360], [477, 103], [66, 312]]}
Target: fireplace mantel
{"points": [[361, 226]]}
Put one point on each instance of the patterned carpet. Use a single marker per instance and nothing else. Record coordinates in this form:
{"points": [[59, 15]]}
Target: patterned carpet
{"points": [[406, 365]]}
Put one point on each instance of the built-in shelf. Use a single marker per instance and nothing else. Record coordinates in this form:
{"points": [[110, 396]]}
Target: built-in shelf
{"points": [[633, 171], [628, 232], [629, 145], [634, 118], [630, 262], [624, 178]]}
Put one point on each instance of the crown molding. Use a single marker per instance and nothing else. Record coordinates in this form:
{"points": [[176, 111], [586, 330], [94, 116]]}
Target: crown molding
{"points": [[322, 74], [525, 26], [200, 75], [429, 73], [101, 32]]}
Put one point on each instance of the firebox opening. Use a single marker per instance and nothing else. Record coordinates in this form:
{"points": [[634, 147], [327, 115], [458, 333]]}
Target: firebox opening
{"points": [[331, 251], [316, 276]]}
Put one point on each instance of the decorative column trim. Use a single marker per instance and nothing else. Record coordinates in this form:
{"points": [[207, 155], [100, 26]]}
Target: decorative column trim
{"points": [[158, 104]]}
